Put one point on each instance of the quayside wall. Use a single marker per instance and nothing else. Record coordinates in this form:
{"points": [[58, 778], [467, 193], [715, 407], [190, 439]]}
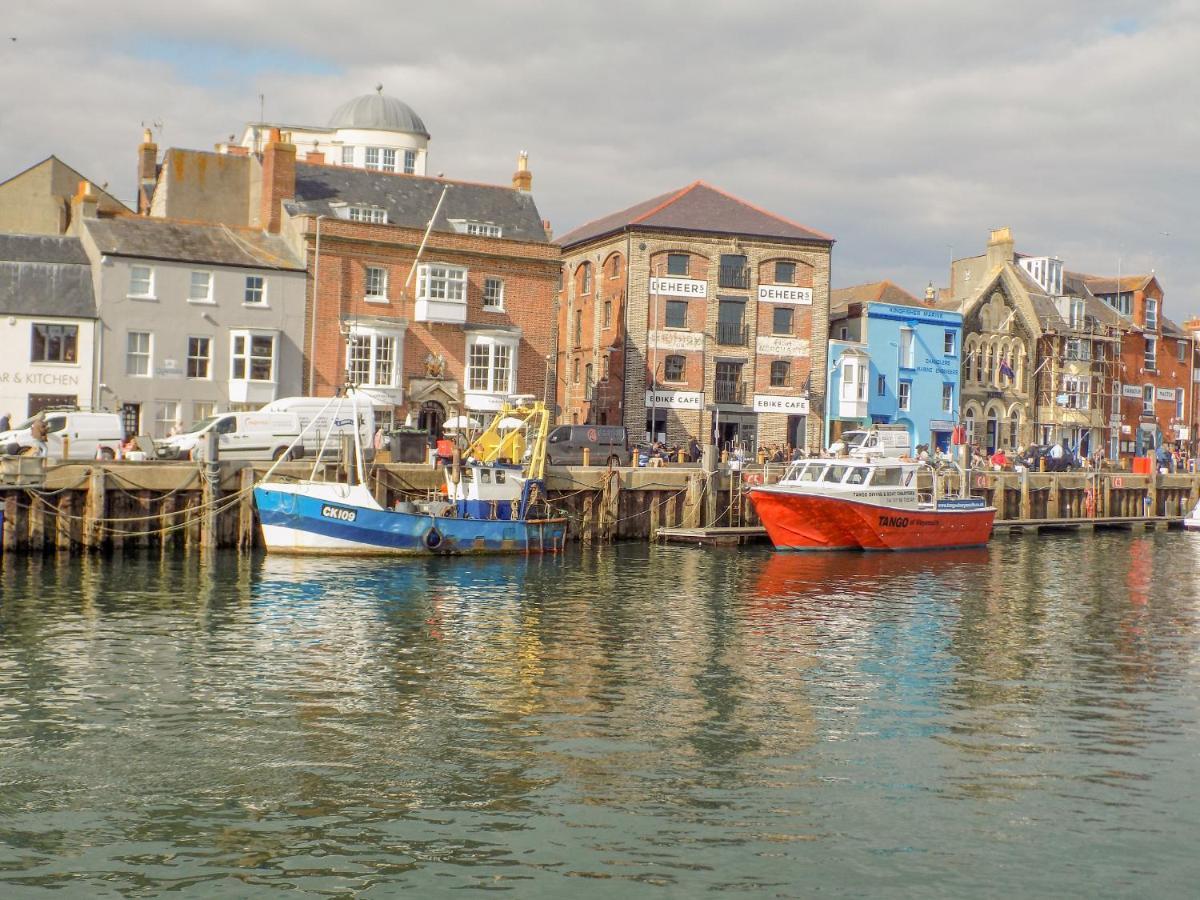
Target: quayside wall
{"points": [[105, 506]]}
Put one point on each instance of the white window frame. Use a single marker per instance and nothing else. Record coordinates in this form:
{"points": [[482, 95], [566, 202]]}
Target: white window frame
{"points": [[1078, 389], [247, 357], [1151, 358], [387, 159], [378, 292], [851, 383], [1151, 313], [949, 343], [1077, 312], [493, 294], [375, 341], [207, 358], [147, 355], [1147, 399], [410, 162], [947, 397], [908, 348], [371, 159], [442, 283], [1179, 403], [372, 214], [256, 304], [904, 396], [163, 423], [347, 156], [491, 384], [202, 409], [148, 294], [197, 297]]}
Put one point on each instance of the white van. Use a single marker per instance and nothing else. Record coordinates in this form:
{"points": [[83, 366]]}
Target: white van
{"points": [[878, 440], [89, 435], [318, 417], [240, 435]]}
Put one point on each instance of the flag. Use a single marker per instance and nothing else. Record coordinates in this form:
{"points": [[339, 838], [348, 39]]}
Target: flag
{"points": [[1006, 369]]}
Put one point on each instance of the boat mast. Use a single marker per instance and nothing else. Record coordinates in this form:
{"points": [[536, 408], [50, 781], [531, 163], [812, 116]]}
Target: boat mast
{"points": [[358, 448]]}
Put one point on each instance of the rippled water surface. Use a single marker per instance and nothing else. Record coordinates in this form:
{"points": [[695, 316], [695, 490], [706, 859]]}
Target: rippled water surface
{"points": [[632, 721]]}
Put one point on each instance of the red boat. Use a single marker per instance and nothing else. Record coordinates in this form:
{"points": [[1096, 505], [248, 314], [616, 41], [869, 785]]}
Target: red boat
{"points": [[867, 504]]}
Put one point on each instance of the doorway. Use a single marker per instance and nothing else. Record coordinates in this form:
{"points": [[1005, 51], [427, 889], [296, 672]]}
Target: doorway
{"points": [[432, 417]]}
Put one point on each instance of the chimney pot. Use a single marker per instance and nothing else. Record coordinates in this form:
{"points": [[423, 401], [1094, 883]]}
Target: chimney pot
{"points": [[522, 179]]}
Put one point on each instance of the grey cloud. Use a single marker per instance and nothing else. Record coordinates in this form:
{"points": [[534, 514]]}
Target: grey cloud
{"points": [[900, 128]]}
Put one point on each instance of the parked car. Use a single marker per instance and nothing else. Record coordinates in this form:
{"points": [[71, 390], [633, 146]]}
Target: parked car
{"points": [[609, 445], [89, 435], [1037, 452]]}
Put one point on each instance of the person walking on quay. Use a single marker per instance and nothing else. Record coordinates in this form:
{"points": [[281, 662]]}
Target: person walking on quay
{"points": [[694, 451], [38, 433]]}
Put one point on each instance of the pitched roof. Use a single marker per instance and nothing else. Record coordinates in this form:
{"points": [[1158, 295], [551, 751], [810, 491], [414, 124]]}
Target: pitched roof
{"points": [[410, 200], [47, 276], [1103, 284], [169, 239], [876, 292], [697, 207]]}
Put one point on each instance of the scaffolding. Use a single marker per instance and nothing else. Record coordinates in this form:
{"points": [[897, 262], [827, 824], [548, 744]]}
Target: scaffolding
{"points": [[1061, 353]]}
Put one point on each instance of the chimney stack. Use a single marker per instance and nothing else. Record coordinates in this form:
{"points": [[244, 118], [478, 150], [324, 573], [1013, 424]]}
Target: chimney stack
{"points": [[930, 295], [522, 179], [147, 172], [279, 179], [1000, 248]]}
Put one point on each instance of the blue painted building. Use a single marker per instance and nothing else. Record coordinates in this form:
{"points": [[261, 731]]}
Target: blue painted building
{"points": [[892, 359]]}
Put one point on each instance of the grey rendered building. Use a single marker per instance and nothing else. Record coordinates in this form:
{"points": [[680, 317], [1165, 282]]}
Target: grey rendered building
{"points": [[194, 319]]}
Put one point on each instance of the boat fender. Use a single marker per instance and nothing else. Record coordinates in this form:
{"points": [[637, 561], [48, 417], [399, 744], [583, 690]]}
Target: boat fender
{"points": [[433, 539]]}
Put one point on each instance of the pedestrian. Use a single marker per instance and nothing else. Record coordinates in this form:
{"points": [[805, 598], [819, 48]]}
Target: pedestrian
{"points": [[694, 451], [38, 433]]}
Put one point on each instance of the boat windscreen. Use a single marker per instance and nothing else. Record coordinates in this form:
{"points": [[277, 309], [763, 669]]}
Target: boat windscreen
{"points": [[811, 472], [858, 475], [835, 473], [887, 476]]}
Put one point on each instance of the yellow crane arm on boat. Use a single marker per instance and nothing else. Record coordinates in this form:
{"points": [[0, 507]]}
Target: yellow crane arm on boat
{"points": [[514, 433]]}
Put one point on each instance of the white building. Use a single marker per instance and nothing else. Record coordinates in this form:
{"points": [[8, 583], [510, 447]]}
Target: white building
{"points": [[369, 132], [47, 325]]}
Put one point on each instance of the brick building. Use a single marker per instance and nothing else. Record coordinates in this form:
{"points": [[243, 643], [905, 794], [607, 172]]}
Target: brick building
{"points": [[1155, 371], [695, 315], [455, 332]]}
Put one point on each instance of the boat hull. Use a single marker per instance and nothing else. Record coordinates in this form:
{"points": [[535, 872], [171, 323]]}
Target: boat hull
{"points": [[804, 521], [306, 522]]}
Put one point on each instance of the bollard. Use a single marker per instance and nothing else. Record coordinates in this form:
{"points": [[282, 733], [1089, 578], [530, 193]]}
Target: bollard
{"points": [[587, 456], [682, 456]]}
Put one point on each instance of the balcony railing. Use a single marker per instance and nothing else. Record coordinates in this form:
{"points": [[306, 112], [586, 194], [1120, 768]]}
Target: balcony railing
{"points": [[735, 277], [732, 334], [729, 391]]}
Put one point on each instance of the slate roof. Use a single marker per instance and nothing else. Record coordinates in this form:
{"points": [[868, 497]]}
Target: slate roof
{"points": [[166, 239], [45, 276], [1106, 285], [876, 292], [410, 200], [697, 207]]}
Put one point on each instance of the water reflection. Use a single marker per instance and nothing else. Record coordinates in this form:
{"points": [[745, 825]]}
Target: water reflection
{"points": [[605, 722]]}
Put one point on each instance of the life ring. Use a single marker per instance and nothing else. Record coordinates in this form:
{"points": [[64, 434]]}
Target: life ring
{"points": [[1118, 482], [432, 539], [981, 481]]}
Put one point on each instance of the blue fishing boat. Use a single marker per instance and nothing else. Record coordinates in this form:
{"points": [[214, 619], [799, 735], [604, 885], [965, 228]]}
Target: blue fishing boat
{"points": [[494, 502]]}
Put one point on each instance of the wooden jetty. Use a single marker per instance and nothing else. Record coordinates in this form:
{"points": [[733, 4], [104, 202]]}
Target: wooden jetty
{"points": [[103, 506]]}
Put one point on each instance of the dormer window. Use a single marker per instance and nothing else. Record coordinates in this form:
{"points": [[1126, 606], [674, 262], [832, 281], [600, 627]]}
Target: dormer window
{"points": [[477, 229], [1077, 320], [1151, 314], [372, 214]]}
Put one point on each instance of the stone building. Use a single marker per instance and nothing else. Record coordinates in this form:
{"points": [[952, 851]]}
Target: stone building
{"points": [[695, 315], [38, 200]]}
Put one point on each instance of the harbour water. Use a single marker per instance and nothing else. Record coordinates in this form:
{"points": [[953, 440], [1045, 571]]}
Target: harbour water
{"points": [[627, 721]]}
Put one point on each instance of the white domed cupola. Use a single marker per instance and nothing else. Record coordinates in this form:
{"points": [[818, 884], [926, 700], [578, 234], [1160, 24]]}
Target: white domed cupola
{"points": [[378, 112]]}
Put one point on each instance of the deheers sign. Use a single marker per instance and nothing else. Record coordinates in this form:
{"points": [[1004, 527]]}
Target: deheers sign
{"points": [[678, 287], [784, 293]]}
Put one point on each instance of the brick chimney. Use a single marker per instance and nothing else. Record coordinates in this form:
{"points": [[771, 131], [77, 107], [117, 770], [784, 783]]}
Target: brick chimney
{"points": [[549, 230], [279, 178], [523, 178], [147, 172], [84, 205], [1000, 248]]}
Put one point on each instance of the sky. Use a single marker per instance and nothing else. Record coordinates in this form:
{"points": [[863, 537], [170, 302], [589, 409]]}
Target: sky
{"points": [[907, 129]]}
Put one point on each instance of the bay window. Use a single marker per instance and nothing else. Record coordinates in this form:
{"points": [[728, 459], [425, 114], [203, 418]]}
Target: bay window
{"points": [[371, 359], [252, 356], [490, 364], [441, 293]]}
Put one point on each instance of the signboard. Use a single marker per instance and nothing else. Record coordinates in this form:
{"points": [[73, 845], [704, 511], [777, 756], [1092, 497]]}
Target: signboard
{"points": [[784, 293], [781, 346], [1131, 390], [1165, 394], [678, 287], [675, 399], [941, 425], [792, 406], [691, 341]]}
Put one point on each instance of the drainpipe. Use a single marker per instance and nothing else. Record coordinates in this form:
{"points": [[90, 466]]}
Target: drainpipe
{"points": [[312, 337]]}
